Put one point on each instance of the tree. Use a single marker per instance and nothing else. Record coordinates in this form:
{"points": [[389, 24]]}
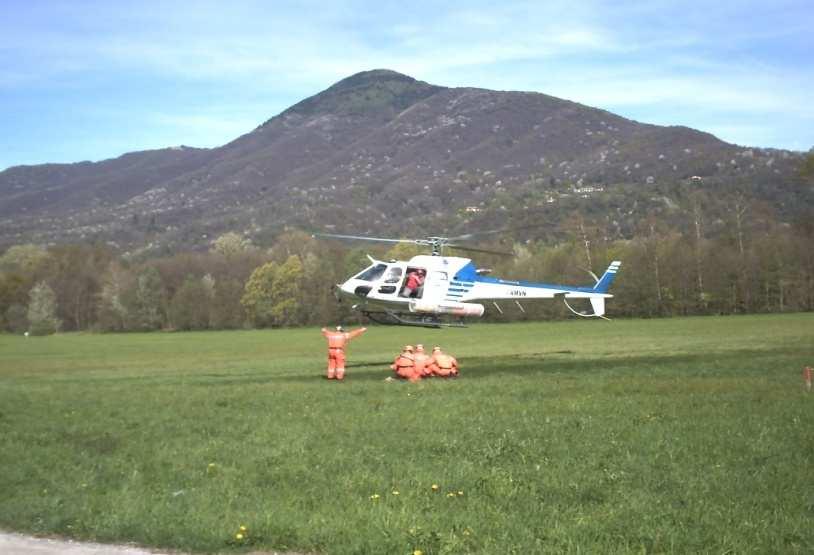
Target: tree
{"points": [[273, 294], [24, 259], [286, 293], [16, 318], [227, 312], [231, 243], [291, 243], [189, 308], [149, 300], [42, 310], [405, 251], [354, 262], [112, 312], [257, 295], [13, 293], [807, 167], [75, 274]]}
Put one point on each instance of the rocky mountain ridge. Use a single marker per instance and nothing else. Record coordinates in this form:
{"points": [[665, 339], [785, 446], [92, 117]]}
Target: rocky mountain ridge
{"points": [[380, 152]]}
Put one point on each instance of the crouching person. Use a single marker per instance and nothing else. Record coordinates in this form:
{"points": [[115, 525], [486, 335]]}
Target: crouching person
{"points": [[422, 361], [442, 364], [404, 365]]}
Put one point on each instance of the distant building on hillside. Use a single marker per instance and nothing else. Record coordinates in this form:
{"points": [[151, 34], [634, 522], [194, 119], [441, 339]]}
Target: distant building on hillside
{"points": [[587, 190]]}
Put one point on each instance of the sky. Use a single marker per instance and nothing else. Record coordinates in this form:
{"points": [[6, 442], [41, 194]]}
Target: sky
{"points": [[90, 80]]}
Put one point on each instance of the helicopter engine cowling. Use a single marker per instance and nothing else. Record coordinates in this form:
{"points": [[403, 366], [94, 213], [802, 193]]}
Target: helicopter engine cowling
{"points": [[447, 307]]}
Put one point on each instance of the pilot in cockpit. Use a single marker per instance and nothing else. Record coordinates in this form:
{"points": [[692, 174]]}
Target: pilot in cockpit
{"points": [[393, 275]]}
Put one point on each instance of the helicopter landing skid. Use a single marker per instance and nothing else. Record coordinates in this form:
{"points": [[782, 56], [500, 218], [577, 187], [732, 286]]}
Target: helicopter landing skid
{"points": [[390, 318]]}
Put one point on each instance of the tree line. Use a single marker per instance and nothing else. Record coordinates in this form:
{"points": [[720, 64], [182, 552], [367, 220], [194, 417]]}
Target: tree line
{"points": [[745, 264]]}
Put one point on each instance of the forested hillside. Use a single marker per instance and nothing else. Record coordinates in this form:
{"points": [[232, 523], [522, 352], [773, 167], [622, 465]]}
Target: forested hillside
{"points": [[186, 238], [382, 153]]}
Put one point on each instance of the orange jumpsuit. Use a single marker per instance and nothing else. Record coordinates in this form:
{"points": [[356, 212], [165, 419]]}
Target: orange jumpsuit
{"points": [[422, 361], [336, 350], [443, 365], [404, 367]]}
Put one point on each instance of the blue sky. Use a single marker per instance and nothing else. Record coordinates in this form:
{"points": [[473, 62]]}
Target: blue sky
{"points": [[88, 80]]}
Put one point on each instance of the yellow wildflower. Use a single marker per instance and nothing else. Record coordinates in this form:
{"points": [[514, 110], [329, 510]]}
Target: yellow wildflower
{"points": [[395, 492], [238, 536], [435, 487], [375, 496], [242, 528], [451, 494], [418, 552]]}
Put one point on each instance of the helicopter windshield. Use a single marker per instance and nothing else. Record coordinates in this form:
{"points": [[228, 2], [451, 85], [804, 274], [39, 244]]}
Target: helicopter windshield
{"points": [[373, 273]]}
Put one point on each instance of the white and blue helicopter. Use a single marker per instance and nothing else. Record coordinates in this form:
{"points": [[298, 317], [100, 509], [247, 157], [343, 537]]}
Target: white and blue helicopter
{"points": [[450, 286]]}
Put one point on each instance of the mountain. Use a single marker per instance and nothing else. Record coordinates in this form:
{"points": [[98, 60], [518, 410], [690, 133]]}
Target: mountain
{"points": [[381, 152]]}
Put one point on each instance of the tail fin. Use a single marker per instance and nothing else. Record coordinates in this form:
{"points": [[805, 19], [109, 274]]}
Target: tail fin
{"points": [[607, 278]]}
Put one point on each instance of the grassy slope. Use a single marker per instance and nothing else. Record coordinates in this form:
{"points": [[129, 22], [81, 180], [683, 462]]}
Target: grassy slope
{"points": [[678, 435]]}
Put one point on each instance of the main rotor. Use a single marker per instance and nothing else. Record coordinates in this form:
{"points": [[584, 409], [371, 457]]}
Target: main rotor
{"points": [[436, 244]]}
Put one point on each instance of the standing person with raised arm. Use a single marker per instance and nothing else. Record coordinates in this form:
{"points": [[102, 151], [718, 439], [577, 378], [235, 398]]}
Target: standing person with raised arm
{"points": [[336, 350]]}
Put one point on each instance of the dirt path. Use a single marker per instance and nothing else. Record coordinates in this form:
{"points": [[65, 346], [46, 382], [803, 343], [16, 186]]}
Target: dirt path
{"points": [[18, 544]]}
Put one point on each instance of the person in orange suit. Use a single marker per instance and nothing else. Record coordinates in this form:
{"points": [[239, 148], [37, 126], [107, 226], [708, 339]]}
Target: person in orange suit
{"points": [[422, 361], [404, 365], [442, 364], [336, 349]]}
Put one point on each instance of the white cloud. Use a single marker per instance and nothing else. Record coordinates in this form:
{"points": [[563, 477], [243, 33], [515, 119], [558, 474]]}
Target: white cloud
{"points": [[664, 59]]}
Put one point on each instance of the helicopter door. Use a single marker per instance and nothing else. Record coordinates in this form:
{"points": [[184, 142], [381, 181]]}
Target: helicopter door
{"points": [[391, 280], [413, 286], [436, 286]]}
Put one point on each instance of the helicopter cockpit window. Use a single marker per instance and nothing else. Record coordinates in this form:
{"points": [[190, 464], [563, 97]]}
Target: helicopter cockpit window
{"points": [[373, 273], [393, 275]]}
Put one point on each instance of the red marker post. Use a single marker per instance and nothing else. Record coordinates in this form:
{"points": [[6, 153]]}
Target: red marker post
{"points": [[807, 373]]}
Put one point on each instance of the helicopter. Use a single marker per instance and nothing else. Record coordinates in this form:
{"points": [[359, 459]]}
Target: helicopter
{"points": [[450, 285]]}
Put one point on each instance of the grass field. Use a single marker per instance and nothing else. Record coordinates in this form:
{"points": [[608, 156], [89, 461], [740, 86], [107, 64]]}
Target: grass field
{"points": [[677, 436]]}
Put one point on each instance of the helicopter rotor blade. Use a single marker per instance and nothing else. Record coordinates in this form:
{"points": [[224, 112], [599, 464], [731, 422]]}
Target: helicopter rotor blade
{"points": [[362, 238], [473, 249], [476, 234]]}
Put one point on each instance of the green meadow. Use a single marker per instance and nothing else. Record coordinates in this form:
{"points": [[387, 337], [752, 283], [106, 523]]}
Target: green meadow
{"points": [[690, 435]]}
